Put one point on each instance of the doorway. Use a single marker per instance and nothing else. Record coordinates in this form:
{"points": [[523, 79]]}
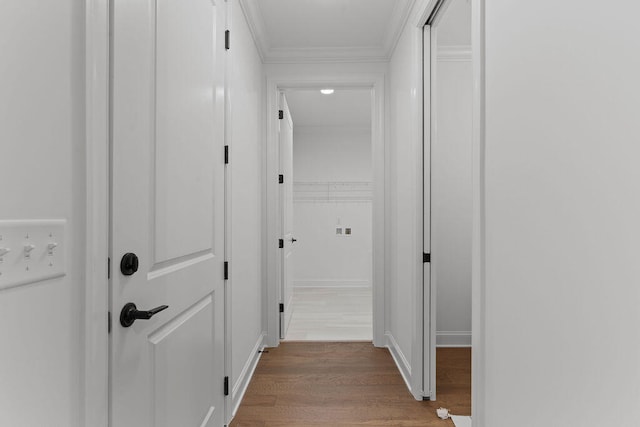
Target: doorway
{"points": [[329, 264], [448, 197], [167, 205], [373, 84]]}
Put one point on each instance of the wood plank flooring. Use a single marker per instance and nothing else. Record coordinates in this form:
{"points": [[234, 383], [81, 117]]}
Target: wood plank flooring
{"points": [[313, 384]]}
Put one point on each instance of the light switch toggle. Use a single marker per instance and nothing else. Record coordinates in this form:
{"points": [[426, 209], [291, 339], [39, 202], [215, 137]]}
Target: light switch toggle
{"points": [[27, 250], [51, 247]]}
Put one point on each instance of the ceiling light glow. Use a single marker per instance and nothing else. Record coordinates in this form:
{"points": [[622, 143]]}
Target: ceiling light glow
{"points": [[326, 91]]}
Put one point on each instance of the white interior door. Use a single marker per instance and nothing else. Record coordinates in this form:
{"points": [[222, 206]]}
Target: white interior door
{"points": [[286, 169], [167, 209]]}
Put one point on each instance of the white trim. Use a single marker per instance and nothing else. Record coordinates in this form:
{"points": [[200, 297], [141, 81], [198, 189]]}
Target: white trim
{"points": [[332, 283], [95, 407], [459, 53], [225, 63], [253, 16], [331, 192], [273, 55], [375, 82], [478, 279], [325, 55], [334, 129], [429, 306], [399, 19], [417, 110], [400, 359], [453, 339], [242, 383]]}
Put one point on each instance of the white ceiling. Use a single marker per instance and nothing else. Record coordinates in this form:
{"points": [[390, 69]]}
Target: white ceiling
{"points": [[343, 108], [326, 30]]}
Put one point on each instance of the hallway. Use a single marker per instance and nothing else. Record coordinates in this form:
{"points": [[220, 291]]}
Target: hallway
{"points": [[345, 384]]}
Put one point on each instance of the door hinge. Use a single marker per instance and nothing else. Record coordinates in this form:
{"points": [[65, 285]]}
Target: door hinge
{"points": [[281, 308], [108, 322], [227, 41], [280, 179], [281, 243], [426, 257], [109, 268], [226, 270], [281, 114], [226, 386], [226, 154]]}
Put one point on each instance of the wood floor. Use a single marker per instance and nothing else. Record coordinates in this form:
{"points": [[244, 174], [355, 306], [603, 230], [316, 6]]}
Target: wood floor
{"points": [[313, 384]]}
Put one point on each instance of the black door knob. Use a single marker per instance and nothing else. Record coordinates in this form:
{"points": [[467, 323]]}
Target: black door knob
{"points": [[129, 264], [130, 313]]}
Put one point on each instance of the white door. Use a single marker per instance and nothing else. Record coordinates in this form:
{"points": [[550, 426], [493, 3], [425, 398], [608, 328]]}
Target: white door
{"points": [[167, 209], [286, 192]]}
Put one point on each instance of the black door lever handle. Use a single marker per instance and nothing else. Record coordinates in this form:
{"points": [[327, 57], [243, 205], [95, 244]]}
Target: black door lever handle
{"points": [[293, 240], [130, 313]]}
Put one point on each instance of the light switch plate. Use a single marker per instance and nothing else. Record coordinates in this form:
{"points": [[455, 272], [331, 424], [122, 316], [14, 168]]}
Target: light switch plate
{"points": [[34, 250]]}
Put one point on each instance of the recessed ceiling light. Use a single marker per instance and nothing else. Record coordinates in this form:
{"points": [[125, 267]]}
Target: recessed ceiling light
{"points": [[326, 91]]}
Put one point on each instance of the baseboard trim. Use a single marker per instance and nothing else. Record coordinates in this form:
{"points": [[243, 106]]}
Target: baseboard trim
{"points": [[332, 283], [453, 339], [240, 386], [401, 361]]}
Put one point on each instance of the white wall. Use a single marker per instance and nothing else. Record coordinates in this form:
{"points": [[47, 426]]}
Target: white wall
{"points": [[245, 139], [42, 139], [332, 154], [451, 202], [332, 188], [451, 190], [404, 235], [561, 215]]}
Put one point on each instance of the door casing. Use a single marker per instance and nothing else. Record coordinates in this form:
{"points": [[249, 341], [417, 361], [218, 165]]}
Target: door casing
{"points": [[272, 254], [96, 299]]}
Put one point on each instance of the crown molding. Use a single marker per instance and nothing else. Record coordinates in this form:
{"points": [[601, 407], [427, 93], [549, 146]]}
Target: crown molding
{"points": [[253, 16], [274, 55], [399, 18], [326, 54]]}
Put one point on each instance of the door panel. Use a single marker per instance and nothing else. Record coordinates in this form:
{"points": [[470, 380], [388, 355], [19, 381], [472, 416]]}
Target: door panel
{"points": [[286, 168], [168, 209], [184, 111], [175, 347]]}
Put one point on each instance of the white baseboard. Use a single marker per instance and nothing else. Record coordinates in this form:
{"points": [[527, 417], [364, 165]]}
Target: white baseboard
{"points": [[332, 283], [399, 358], [453, 339], [240, 386]]}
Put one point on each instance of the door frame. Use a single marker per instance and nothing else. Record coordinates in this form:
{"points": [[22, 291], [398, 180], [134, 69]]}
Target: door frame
{"points": [[284, 106], [96, 298], [271, 253], [478, 238], [478, 275], [430, 17], [95, 371]]}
